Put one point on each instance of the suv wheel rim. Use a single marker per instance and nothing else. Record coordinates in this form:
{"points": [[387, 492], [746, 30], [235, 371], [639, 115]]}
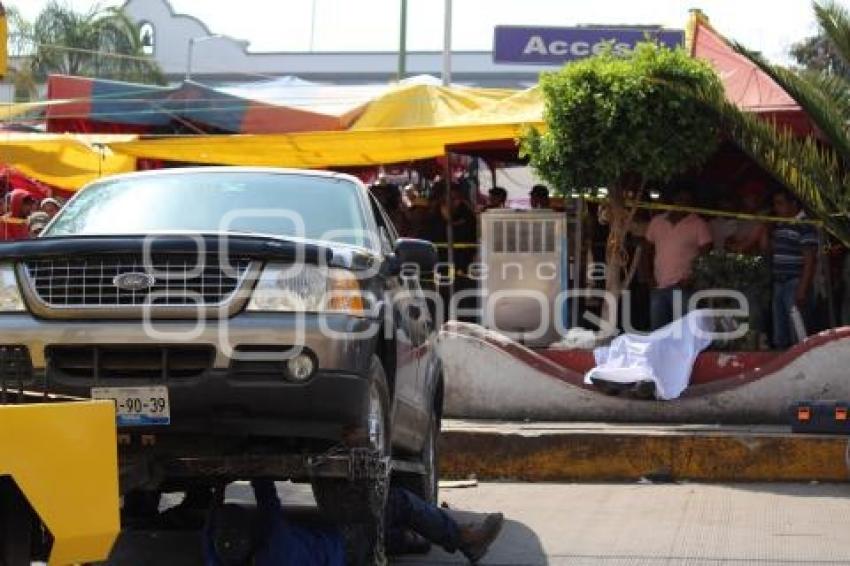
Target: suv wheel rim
{"points": [[376, 420]]}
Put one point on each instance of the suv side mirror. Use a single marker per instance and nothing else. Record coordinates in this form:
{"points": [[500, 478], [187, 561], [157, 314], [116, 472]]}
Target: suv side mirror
{"points": [[421, 253]]}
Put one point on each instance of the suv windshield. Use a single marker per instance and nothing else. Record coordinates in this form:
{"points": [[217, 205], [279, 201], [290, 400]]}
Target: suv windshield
{"points": [[280, 204]]}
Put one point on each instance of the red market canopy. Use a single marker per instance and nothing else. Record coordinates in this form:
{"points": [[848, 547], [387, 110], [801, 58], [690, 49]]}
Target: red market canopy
{"points": [[13, 179], [746, 85]]}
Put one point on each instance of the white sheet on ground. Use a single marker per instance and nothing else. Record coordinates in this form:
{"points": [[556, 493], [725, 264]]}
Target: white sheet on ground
{"points": [[665, 356]]}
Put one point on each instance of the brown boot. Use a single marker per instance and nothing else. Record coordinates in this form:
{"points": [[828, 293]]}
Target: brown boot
{"points": [[475, 540]]}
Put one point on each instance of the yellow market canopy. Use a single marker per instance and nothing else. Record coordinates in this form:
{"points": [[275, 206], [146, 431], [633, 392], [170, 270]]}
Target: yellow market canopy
{"points": [[522, 107], [423, 105], [408, 123], [318, 149], [62, 160]]}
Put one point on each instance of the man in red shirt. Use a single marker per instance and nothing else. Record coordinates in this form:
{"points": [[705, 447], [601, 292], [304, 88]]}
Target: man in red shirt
{"points": [[678, 238]]}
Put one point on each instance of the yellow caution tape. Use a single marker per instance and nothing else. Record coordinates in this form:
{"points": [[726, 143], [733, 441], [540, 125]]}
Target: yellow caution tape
{"points": [[461, 246], [672, 208], [710, 212]]}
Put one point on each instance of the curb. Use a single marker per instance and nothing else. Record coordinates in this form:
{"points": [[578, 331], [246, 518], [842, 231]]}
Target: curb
{"points": [[605, 453]]}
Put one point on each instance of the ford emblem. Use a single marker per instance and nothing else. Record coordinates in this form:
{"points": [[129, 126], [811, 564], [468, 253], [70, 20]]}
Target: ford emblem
{"points": [[133, 281]]}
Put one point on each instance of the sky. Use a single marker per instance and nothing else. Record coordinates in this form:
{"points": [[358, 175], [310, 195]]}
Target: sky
{"points": [[769, 26]]}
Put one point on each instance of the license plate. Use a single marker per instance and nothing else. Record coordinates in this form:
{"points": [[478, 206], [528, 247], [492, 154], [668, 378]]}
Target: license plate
{"points": [[137, 406]]}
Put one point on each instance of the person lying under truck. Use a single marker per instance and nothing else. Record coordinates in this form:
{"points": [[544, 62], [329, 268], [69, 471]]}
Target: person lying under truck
{"points": [[237, 535]]}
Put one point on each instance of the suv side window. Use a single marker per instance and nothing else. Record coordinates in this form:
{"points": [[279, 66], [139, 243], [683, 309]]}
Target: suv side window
{"points": [[386, 230]]}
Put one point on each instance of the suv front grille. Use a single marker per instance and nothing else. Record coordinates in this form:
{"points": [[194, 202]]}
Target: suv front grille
{"points": [[178, 280], [130, 362]]}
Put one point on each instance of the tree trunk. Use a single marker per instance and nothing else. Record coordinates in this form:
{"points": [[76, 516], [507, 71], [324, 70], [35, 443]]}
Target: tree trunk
{"points": [[615, 254]]}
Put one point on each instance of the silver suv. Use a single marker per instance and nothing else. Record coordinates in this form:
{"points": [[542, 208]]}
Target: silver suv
{"points": [[247, 323]]}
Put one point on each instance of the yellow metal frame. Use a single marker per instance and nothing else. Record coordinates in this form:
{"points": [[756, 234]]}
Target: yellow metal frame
{"points": [[63, 457]]}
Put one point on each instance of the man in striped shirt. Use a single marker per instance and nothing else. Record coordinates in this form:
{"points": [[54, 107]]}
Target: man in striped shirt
{"points": [[794, 259]]}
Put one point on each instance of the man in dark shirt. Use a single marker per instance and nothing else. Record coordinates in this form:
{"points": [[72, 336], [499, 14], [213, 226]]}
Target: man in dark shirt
{"points": [[236, 536], [794, 259], [539, 197]]}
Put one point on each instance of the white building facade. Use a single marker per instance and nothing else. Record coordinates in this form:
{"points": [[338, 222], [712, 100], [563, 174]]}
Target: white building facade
{"points": [[214, 58]]}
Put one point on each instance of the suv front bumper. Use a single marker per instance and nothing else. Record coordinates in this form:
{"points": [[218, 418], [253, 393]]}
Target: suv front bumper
{"points": [[220, 400]]}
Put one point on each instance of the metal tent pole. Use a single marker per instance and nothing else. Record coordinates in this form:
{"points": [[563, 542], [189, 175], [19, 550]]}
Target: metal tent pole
{"points": [[823, 262], [402, 42], [450, 237], [313, 26], [447, 44]]}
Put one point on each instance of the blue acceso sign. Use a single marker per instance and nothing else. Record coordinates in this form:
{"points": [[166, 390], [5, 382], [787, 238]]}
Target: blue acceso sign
{"points": [[556, 46]]}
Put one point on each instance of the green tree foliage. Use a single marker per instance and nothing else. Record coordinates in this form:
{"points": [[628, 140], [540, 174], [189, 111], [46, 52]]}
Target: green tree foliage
{"points": [[622, 122], [816, 53], [20, 34], [616, 121], [98, 43], [20, 48]]}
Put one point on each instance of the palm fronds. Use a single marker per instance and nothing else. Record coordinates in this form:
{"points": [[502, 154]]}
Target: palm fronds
{"points": [[824, 110], [816, 169], [834, 20], [813, 172], [835, 87]]}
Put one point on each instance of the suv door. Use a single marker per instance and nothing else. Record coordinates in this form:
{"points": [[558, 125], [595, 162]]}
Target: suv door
{"points": [[422, 330], [407, 426]]}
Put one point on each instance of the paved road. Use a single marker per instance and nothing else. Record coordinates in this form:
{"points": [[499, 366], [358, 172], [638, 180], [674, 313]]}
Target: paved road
{"points": [[618, 525]]}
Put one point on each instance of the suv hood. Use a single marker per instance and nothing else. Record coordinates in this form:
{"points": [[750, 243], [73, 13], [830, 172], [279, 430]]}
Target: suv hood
{"points": [[259, 247]]}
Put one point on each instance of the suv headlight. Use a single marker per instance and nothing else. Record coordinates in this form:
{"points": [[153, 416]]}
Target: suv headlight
{"points": [[307, 288], [10, 293]]}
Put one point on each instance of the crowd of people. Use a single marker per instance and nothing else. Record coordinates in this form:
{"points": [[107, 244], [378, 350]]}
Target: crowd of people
{"points": [[424, 213], [675, 239], [24, 215], [678, 237]]}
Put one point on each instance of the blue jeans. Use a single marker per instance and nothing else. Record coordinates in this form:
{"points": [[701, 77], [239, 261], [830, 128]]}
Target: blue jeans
{"points": [[784, 294], [661, 305], [406, 511]]}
